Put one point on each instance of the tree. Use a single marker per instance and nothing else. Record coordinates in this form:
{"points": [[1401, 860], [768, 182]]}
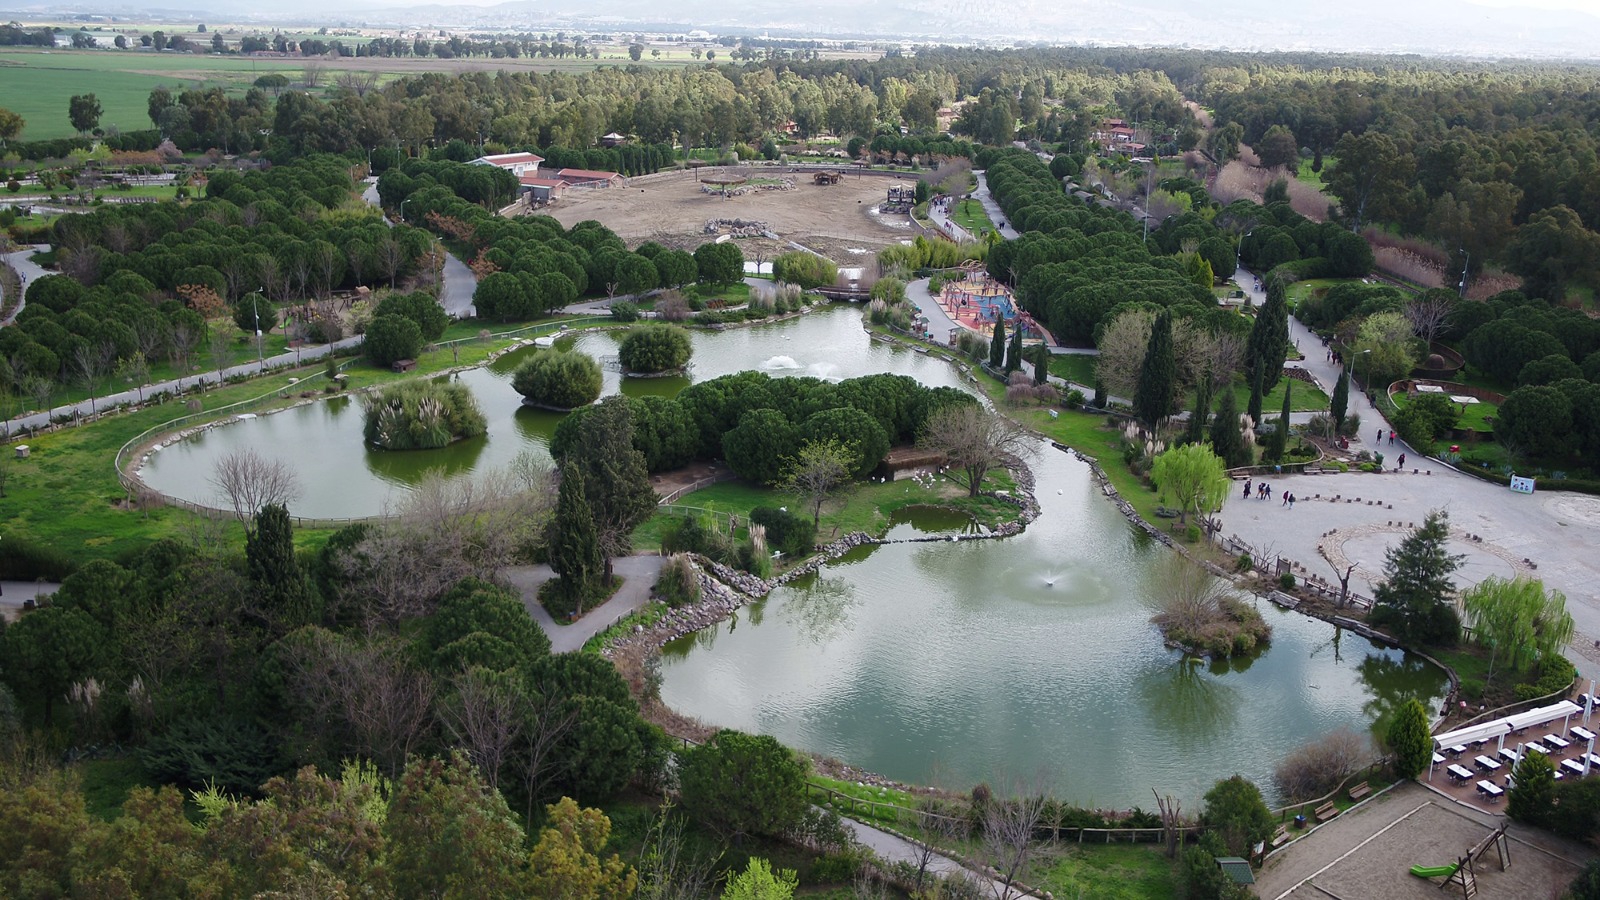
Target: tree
{"points": [[1536, 421], [720, 263], [421, 308], [1153, 397], [759, 882], [1014, 352], [562, 380], [249, 482], [1227, 438], [1518, 620], [286, 592], [759, 446], [566, 863], [450, 835], [1278, 148], [652, 349], [1041, 364], [47, 651], [1384, 345], [1280, 434], [741, 785], [1532, 796], [819, 470], [1414, 598], [1194, 477], [1268, 345], [392, 338], [1409, 740], [857, 431], [1235, 811], [1550, 250], [83, 110], [1340, 404], [804, 268], [1368, 170], [974, 440], [1196, 431], [616, 483], [635, 52], [1429, 312], [10, 125], [997, 344], [571, 545]]}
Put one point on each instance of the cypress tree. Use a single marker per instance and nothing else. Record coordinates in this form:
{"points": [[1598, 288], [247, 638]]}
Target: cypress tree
{"points": [[1152, 398], [1014, 352], [1099, 394], [285, 590], [573, 550], [1280, 435], [1341, 400], [1041, 365], [997, 344], [1268, 345], [1200, 412], [1254, 408], [1226, 441]]}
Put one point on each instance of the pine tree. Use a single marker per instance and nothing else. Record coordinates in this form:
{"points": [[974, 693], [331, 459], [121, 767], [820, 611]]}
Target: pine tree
{"points": [[1254, 409], [1200, 412], [1341, 400], [997, 344], [1041, 364], [1268, 345], [1014, 351], [1414, 599], [1408, 739], [1226, 440], [616, 479], [1152, 397], [572, 548], [286, 592]]}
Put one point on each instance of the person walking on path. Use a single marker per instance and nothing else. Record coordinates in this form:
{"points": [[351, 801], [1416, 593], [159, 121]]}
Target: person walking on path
{"points": [[1291, 501], [1380, 435], [1285, 500], [1401, 464], [1247, 489], [1391, 437]]}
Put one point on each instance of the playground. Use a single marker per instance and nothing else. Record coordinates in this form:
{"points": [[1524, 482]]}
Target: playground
{"points": [[1369, 852], [977, 301]]}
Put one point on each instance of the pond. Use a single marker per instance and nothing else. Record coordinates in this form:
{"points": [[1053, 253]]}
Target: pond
{"points": [[1033, 656], [340, 477]]}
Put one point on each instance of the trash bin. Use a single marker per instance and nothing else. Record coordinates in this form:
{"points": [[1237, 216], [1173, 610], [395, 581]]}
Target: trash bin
{"points": [[1299, 821]]}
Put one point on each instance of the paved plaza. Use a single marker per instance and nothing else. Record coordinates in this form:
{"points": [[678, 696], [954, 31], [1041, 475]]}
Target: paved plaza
{"points": [[1557, 532]]}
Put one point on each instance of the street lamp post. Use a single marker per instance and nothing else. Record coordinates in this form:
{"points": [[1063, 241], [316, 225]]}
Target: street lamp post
{"points": [[255, 310], [1464, 265], [403, 208], [1353, 372]]}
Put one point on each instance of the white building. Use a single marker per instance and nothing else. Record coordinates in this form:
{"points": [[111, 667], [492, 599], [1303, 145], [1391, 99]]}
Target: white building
{"points": [[518, 164]]}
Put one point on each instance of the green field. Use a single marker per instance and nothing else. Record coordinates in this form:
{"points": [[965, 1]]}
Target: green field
{"points": [[969, 214]]}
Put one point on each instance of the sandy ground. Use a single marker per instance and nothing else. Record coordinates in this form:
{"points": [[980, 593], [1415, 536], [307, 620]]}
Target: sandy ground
{"points": [[670, 208], [1368, 852]]}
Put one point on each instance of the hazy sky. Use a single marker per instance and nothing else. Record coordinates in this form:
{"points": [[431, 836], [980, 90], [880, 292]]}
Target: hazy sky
{"points": [[1589, 6]]}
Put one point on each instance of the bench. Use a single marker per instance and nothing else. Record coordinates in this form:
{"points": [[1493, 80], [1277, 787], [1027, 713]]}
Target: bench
{"points": [[1359, 791], [1326, 811], [1281, 836]]}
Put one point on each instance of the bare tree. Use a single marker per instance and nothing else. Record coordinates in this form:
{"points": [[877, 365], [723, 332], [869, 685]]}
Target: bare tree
{"points": [[180, 349], [973, 441], [217, 348], [1315, 768], [549, 718], [360, 696], [1171, 819], [93, 363], [445, 530], [1008, 828], [248, 481], [1427, 312], [669, 869], [937, 825], [274, 278], [485, 714], [40, 390], [1189, 597], [358, 82], [391, 255], [311, 75]]}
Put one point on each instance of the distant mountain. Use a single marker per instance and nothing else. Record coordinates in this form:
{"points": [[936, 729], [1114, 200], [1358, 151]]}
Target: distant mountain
{"points": [[1433, 27]]}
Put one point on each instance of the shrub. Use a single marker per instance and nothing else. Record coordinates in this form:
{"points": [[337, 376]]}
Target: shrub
{"points": [[562, 380], [24, 560], [792, 534], [392, 338], [1286, 581], [1554, 673], [804, 269], [420, 308], [655, 348], [1075, 399], [671, 306], [625, 311], [698, 534], [1315, 768], [678, 583], [421, 415]]}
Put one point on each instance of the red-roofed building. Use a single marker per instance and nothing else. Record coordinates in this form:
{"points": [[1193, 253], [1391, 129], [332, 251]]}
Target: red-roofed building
{"points": [[518, 164], [541, 189], [587, 178]]}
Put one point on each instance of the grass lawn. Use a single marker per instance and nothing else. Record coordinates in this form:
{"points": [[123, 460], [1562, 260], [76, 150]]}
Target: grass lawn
{"points": [[1075, 367], [1306, 398], [730, 294], [1302, 289], [38, 85], [1475, 415], [969, 214], [1105, 872], [1314, 179]]}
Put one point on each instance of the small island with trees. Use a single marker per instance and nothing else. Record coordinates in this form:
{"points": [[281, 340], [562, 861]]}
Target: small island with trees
{"points": [[558, 380], [655, 350]]}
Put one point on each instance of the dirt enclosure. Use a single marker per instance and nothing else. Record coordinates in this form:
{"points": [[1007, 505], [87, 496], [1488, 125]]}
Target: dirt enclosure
{"points": [[1368, 853], [670, 208]]}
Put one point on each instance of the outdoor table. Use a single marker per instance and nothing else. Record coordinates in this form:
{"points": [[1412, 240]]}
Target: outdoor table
{"points": [[1486, 764], [1509, 755], [1537, 747], [1438, 758], [1556, 742], [1463, 399], [1573, 766], [1459, 774], [1457, 750], [1583, 734], [1489, 788], [1429, 389], [1594, 760]]}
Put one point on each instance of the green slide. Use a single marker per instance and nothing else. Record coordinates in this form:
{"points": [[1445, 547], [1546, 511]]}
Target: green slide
{"points": [[1435, 871]]}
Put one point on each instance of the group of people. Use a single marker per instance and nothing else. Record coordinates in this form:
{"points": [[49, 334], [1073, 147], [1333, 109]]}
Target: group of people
{"points": [[1263, 491]]}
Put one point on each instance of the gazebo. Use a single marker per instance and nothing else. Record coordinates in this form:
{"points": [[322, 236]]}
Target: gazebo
{"points": [[724, 181]]}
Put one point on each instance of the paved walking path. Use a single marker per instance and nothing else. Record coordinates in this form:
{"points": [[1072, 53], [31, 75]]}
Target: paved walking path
{"points": [[28, 270], [639, 575], [981, 194], [893, 848]]}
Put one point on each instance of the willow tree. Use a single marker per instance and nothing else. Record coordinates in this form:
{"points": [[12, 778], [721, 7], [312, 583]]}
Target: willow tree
{"points": [[1194, 477], [1518, 620]]}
